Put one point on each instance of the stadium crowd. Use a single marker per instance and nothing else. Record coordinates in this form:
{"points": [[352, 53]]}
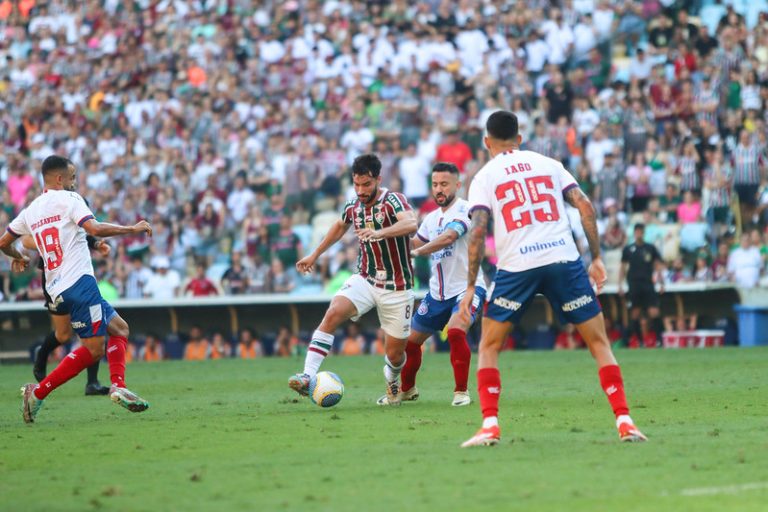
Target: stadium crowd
{"points": [[230, 124]]}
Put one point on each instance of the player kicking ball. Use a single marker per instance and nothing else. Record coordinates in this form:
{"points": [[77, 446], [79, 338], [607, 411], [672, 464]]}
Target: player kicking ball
{"points": [[442, 236], [58, 221], [525, 193], [383, 222]]}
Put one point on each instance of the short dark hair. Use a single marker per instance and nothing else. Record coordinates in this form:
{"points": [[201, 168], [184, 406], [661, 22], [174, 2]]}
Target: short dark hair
{"points": [[639, 226], [55, 163], [445, 167], [502, 125], [367, 165]]}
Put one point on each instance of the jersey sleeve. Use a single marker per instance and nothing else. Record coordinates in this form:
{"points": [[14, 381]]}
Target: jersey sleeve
{"points": [[18, 226], [423, 232], [460, 223], [479, 195], [398, 202], [567, 181], [79, 212], [347, 215]]}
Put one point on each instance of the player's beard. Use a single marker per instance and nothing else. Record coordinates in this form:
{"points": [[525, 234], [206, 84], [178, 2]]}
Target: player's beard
{"points": [[446, 200], [366, 200]]}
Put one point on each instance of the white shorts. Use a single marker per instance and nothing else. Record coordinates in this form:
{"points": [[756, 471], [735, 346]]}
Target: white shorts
{"points": [[395, 308]]}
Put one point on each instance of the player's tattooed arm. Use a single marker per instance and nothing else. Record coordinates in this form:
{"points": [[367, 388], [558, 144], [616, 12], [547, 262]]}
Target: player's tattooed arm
{"points": [[581, 202], [448, 237], [477, 235]]}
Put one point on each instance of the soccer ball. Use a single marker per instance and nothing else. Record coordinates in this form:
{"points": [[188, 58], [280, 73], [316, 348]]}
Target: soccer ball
{"points": [[326, 389]]}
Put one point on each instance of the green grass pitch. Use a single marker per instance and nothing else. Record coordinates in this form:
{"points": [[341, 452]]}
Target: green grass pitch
{"points": [[230, 435]]}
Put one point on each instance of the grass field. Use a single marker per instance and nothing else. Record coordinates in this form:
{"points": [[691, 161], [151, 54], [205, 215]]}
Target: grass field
{"points": [[229, 435]]}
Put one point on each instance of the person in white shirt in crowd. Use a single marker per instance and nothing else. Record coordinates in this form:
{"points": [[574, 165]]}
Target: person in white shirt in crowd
{"points": [[164, 282], [745, 264]]}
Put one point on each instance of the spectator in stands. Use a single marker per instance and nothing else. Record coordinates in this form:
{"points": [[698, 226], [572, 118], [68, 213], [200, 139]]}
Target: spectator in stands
{"points": [[235, 279], [249, 346], [719, 266], [286, 245], [138, 276], [454, 150], [200, 285], [280, 280], [745, 264], [152, 350], [285, 342], [198, 348], [164, 281], [689, 211], [377, 344]]}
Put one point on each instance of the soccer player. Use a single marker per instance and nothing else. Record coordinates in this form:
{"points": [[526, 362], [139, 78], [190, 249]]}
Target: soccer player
{"points": [[58, 220], [63, 328], [441, 235], [525, 193], [383, 221]]}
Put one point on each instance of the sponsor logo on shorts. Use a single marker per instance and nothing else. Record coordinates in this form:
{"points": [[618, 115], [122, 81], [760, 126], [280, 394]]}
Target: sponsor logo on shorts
{"points": [[577, 303], [423, 308], [79, 325], [540, 246], [507, 304]]}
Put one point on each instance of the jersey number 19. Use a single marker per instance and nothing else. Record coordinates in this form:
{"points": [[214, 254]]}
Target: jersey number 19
{"points": [[50, 247]]}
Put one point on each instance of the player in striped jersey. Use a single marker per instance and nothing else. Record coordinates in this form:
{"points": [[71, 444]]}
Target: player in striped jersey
{"points": [[383, 221], [746, 160]]}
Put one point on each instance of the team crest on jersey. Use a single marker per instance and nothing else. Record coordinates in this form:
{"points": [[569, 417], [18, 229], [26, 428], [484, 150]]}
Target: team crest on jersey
{"points": [[423, 308], [379, 216]]}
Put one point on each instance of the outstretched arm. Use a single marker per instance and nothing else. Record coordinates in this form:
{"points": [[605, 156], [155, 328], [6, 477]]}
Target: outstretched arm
{"points": [[104, 229], [581, 202], [334, 234]]}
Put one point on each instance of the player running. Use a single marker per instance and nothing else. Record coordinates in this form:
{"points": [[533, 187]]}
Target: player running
{"points": [[441, 235], [383, 221], [62, 330], [54, 220], [525, 193]]}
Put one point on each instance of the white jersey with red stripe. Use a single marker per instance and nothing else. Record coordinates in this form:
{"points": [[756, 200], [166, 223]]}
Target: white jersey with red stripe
{"points": [[54, 220], [523, 191], [449, 264]]}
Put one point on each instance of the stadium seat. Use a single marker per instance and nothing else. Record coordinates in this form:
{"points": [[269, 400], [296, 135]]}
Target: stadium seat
{"points": [[321, 224]]}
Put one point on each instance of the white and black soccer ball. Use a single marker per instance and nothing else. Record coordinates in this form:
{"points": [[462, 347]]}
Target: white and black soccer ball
{"points": [[326, 389]]}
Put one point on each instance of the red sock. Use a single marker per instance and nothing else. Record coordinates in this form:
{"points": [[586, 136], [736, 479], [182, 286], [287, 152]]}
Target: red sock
{"points": [[613, 385], [460, 357], [116, 359], [412, 365], [489, 389], [75, 362]]}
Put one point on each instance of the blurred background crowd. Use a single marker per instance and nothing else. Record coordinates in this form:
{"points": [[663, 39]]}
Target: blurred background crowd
{"points": [[231, 124]]}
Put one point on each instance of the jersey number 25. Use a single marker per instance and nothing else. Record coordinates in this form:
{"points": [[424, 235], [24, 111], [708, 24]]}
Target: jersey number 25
{"points": [[518, 198]]}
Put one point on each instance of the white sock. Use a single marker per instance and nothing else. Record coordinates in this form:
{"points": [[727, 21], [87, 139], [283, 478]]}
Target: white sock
{"points": [[624, 418], [392, 372], [319, 348], [490, 421]]}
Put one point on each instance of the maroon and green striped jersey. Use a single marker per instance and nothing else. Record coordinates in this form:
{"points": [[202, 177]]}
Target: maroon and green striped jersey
{"points": [[386, 263]]}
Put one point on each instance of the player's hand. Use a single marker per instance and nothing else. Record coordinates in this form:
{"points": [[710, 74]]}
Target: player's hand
{"points": [[19, 265], [103, 249], [465, 306], [306, 264], [367, 235], [142, 227], [598, 274], [415, 253]]}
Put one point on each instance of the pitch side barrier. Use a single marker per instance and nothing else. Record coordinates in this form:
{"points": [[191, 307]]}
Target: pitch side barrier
{"points": [[23, 324]]}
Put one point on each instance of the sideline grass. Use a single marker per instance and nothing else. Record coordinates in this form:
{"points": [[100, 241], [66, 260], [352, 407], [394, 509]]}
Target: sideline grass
{"points": [[229, 435]]}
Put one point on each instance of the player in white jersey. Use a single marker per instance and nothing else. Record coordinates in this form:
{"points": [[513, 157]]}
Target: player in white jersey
{"points": [[58, 221], [525, 193], [442, 237]]}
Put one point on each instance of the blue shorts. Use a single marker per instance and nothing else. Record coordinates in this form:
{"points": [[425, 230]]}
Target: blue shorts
{"points": [[566, 285], [89, 313], [432, 315]]}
